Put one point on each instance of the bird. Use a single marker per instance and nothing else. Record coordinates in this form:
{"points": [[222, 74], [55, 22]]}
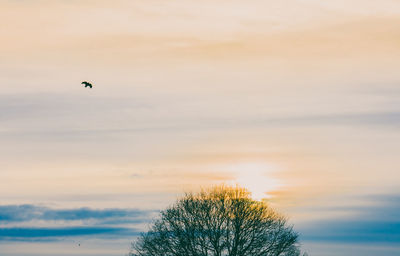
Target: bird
{"points": [[87, 84]]}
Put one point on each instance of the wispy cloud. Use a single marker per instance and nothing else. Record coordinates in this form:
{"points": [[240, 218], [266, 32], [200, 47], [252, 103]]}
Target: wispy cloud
{"points": [[368, 119], [29, 233], [16, 222], [378, 222], [27, 212]]}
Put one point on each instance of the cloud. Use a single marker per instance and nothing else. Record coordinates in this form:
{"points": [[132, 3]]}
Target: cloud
{"points": [[28, 233], [45, 105], [24, 213], [87, 213], [378, 222], [20, 222], [385, 118], [355, 231]]}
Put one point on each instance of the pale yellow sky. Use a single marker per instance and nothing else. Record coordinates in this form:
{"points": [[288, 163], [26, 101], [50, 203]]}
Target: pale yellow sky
{"points": [[303, 94]]}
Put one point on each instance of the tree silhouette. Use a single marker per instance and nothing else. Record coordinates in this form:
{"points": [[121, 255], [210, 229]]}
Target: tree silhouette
{"points": [[221, 221]]}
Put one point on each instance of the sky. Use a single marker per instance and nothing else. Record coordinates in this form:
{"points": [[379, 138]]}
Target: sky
{"points": [[296, 100]]}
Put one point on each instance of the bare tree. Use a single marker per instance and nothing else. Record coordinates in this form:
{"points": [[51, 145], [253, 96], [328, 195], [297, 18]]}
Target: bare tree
{"points": [[221, 221]]}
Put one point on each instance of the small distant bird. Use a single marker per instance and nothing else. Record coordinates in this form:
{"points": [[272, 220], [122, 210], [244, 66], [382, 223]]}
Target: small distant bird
{"points": [[87, 84]]}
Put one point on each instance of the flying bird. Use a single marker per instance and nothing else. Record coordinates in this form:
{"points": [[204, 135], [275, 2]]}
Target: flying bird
{"points": [[87, 84]]}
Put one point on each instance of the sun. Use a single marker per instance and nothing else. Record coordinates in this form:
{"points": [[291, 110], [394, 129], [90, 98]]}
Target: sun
{"points": [[256, 177]]}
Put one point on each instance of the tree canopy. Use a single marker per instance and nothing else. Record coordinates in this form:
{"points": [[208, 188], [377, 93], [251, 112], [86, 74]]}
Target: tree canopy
{"points": [[221, 221]]}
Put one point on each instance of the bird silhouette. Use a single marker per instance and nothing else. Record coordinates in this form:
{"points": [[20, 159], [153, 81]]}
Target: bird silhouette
{"points": [[87, 84]]}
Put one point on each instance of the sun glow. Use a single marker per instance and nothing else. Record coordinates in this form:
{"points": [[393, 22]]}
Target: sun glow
{"points": [[256, 177]]}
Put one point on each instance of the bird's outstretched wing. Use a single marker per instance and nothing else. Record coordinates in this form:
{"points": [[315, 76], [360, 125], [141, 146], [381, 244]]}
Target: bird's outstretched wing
{"points": [[87, 84]]}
